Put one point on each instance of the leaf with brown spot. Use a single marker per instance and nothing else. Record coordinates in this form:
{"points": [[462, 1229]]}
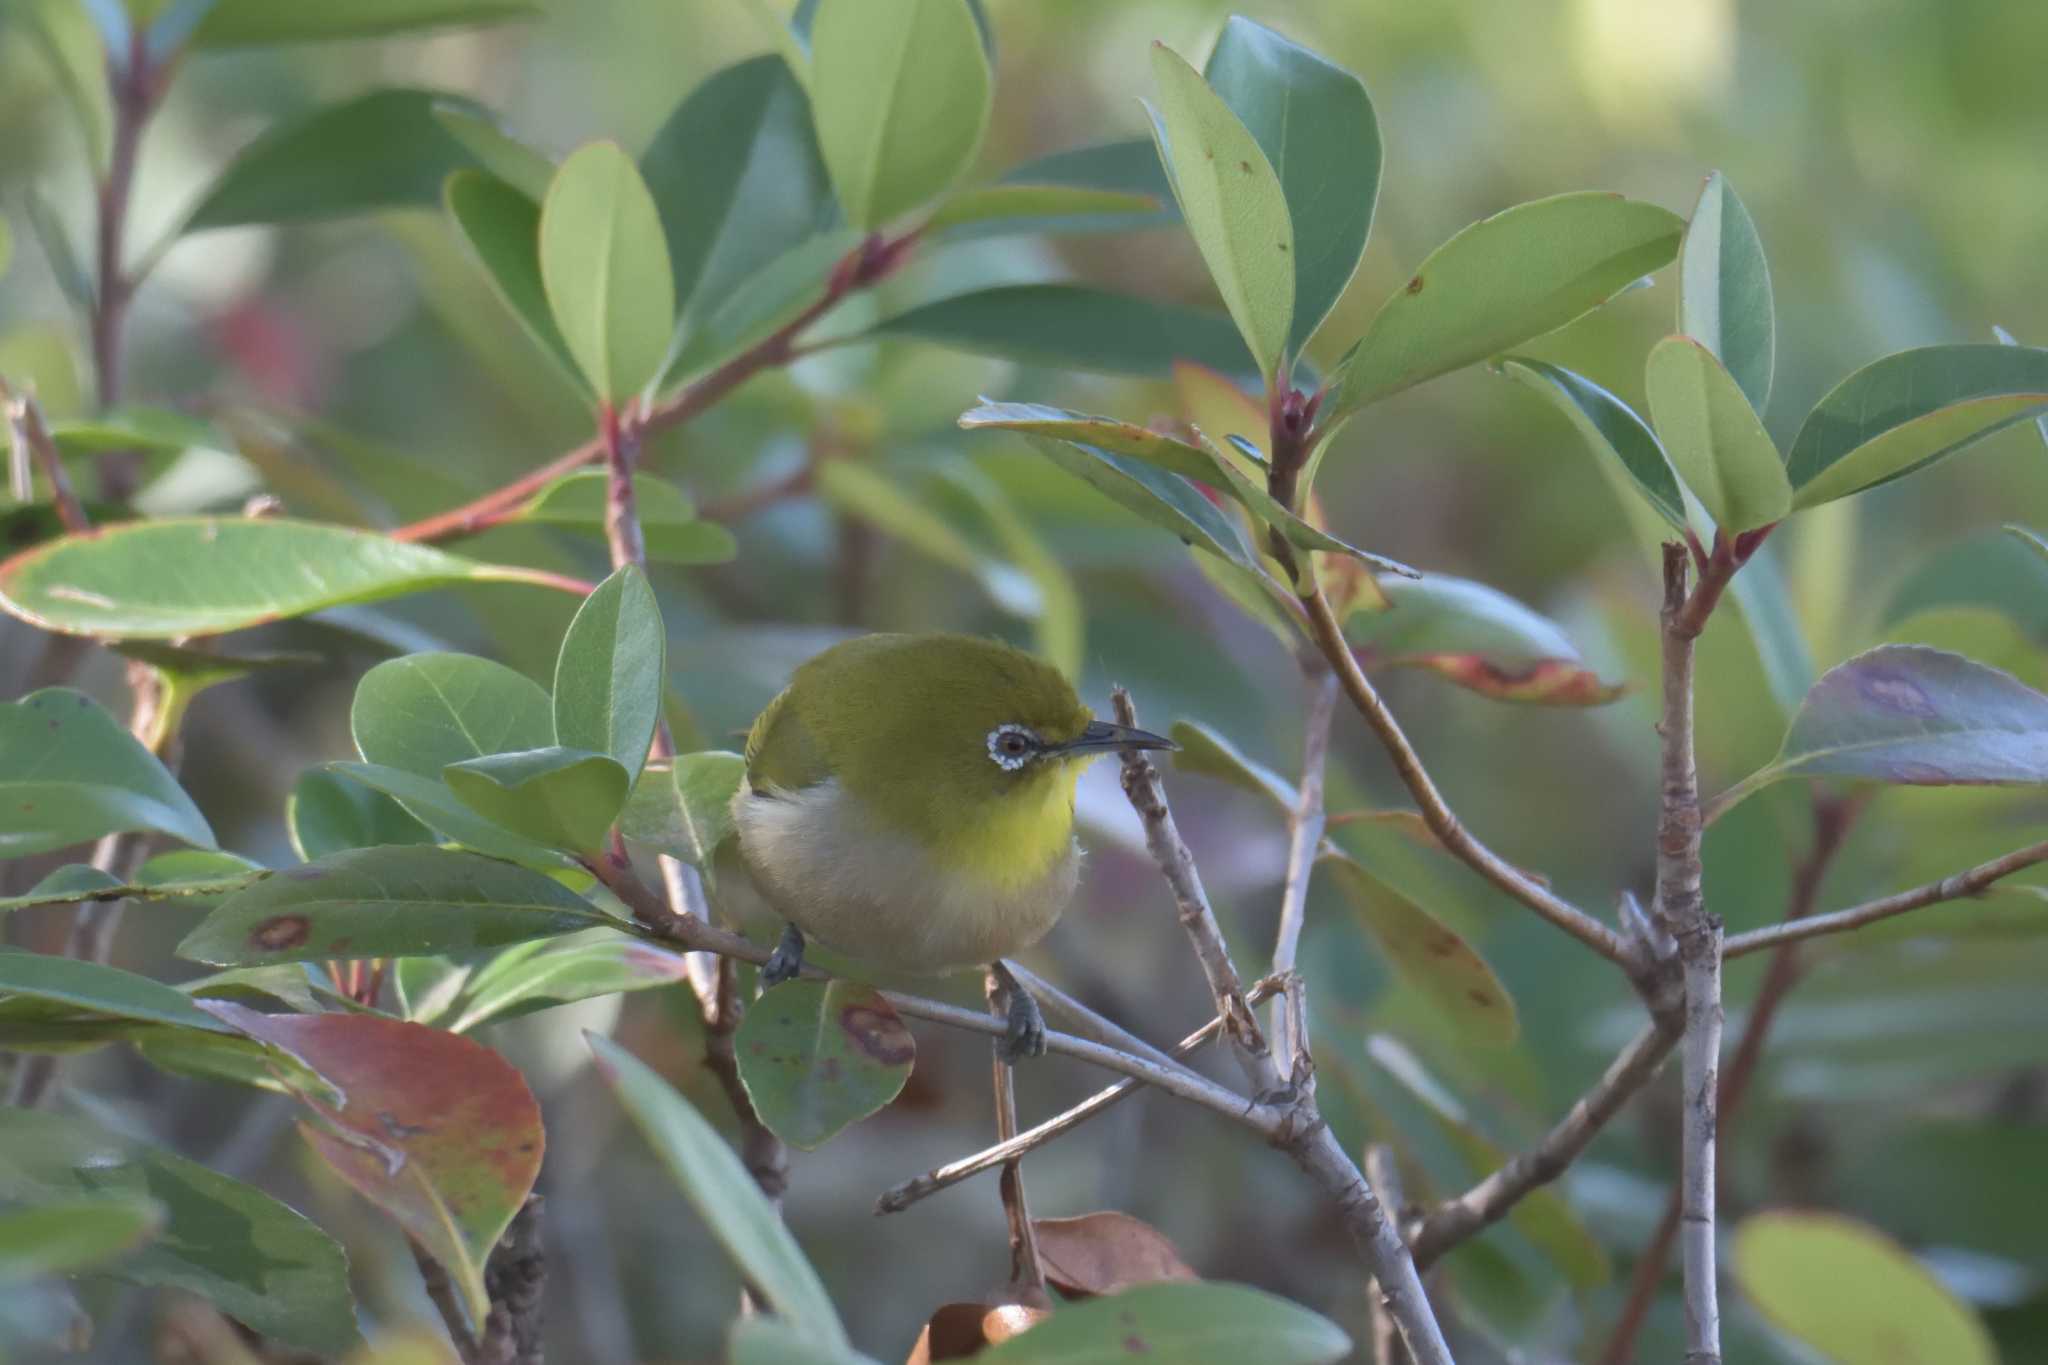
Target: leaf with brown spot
{"points": [[1482, 639], [960, 1331], [1428, 955], [816, 1056], [1546, 682], [1100, 1253], [438, 1131]]}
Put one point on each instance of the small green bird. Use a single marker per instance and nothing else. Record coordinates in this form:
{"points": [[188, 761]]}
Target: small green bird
{"points": [[909, 801]]}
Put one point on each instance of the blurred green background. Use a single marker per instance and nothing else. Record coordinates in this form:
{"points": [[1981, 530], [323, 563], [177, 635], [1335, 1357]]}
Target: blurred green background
{"points": [[1891, 152]]}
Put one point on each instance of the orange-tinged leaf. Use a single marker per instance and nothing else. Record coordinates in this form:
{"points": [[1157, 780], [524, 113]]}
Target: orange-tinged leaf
{"points": [[958, 1331], [1545, 682], [1100, 1253], [437, 1130]]}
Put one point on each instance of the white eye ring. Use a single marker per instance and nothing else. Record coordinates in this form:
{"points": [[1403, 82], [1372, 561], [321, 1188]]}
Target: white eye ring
{"points": [[1012, 746]]}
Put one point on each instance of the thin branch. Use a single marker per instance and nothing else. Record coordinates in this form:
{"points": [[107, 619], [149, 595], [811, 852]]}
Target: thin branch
{"points": [[1385, 1176], [30, 438], [1304, 837], [1436, 813], [621, 513], [868, 263], [1681, 908], [1027, 1273], [1967, 883], [900, 1197]]}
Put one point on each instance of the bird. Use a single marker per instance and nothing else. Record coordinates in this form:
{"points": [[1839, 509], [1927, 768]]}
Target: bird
{"points": [[908, 801]]}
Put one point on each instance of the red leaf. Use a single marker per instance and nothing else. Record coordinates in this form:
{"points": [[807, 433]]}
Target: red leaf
{"points": [[437, 1130]]}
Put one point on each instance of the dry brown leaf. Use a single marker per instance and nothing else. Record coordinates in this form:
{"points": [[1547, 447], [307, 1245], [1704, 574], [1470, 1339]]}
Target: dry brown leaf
{"points": [[959, 1331], [1100, 1253]]}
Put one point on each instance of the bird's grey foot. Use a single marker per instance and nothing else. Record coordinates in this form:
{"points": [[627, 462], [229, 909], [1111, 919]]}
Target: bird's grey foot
{"points": [[787, 961], [1025, 1034]]}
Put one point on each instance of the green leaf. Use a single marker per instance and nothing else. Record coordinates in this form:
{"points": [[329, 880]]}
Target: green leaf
{"points": [[724, 1195], [1428, 955], [771, 297], [816, 1056], [405, 901], [1852, 1294], [900, 91], [604, 260], [73, 281], [1717, 443], [1058, 615], [1202, 750], [1200, 1323], [502, 156], [247, 23], [6, 247], [1610, 429], [668, 519], [1232, 202], [414, 716], [611, 671], [564, 974], [1912, 715], [76, 987], [156, 580], [64, 1236], [382, 150], [1479, 638], [684, 808], [161, 878], [158, 431], [1761, 599], [1020, 207], [1903, 412], [771, 1341], [1724, 298], [737, 176], [1128, 167], [233, 1245], [70, 772], [885, 502], [438, 1131], [502, 226], [560, 797], [1523, 272], [1075, 327], [2005, 338], [63, 32], [1315, 123], [328, 813]]}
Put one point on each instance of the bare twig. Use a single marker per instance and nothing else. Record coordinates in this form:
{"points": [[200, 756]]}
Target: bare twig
{"points": [[621, 513], [1027, 1274], [1436, 813], [1385, 1176], [1681, 908], [900, 1197], [32, 445], [1304, 837]]}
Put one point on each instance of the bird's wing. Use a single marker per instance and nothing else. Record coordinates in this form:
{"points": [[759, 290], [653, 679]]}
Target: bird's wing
{"points": [[781, 752]]}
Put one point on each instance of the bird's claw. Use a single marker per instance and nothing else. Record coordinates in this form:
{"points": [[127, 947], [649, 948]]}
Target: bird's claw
{"points": [[787, 961], [1025, 1036]]}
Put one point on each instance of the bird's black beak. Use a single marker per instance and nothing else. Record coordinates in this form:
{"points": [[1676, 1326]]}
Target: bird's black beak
{"points": [[1103, 737]]}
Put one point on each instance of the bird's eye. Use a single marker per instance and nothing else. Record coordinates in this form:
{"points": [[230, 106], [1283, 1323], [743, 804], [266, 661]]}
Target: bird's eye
{"points": [[1012, 746]]}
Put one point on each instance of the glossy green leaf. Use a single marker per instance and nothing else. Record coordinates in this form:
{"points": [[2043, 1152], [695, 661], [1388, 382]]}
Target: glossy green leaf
{"points": [[2005, 338], [772, 297], [816, 1056], [404, 901], [382, 150], [1610, 429], [1765, 606], [1232, 202], [502, 226], [683, 808], [161, 878], [611, 671], [604, 262], [1907, 410], [434, 803], [157, 580], [245, 23], [668, 520], [229, 1243], [1852, 1294], [724, 1195], [1128, 167], [1019, 206], [1912, 715], [901, 92], [1059, 618], [1523, 272], [737, 176], [1428, 955], [328, 813], [1076, 327], [502, 156], [63, 33], [562, 975], [74, 987], [438, 1131], [1201, 465], [561, 797], [70, 772], [1716, 441], [1724, 291], [1202, 750], [64, 1236], [771, 1341], [1315, 122], [156, 431], [1198, 1323], [66, 266], [897, 509], [1481, 639]]}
